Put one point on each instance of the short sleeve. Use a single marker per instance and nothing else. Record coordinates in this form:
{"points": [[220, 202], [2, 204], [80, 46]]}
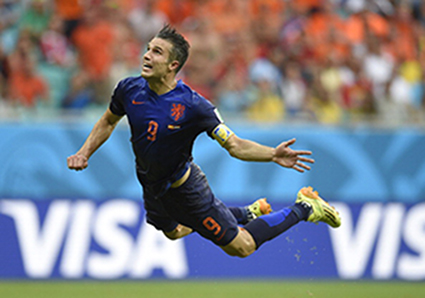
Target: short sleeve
{"points": [[117, 99], [209, 116]]}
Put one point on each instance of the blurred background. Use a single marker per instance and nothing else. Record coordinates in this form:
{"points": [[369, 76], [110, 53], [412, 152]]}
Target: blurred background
{"points": [[337, 62], [345, 77]]}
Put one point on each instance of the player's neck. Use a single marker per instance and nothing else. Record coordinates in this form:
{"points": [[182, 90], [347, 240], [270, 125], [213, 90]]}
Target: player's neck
{"points": [[162, 85]]}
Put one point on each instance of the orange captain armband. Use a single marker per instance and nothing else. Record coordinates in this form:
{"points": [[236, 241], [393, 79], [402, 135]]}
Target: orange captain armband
{"points": [[222, 133]]}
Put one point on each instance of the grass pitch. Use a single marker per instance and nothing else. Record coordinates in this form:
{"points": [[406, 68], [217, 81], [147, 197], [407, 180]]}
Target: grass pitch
{"points": [[211, 289]]}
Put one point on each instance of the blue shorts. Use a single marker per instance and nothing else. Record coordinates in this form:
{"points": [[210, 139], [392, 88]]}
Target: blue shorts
{"points": [[193, 205]]}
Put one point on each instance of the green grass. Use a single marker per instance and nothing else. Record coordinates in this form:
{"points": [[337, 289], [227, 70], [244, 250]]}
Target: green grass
{"points": [[211, 289]]}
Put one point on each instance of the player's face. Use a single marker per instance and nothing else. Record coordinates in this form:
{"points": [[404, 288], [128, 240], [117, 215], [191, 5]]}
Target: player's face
{"points": [[156, 60]]}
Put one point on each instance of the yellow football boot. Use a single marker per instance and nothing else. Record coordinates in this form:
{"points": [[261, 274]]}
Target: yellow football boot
{"points": [[321, 210]]}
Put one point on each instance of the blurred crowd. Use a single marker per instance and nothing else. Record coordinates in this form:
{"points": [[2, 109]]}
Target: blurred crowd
{"points": [[323, 61]]}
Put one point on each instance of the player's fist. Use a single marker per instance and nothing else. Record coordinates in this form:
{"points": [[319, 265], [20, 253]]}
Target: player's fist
{"points": [[77, 162]]}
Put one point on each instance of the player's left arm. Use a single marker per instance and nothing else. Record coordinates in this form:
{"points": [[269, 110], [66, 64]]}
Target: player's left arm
{"points": [[248, 150]]}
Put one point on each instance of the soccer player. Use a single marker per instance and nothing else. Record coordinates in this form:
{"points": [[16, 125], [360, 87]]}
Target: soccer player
{"points": [[165, 117]]}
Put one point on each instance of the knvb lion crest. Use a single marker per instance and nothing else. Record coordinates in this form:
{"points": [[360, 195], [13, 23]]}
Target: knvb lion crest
{"points": [[177, 111]]}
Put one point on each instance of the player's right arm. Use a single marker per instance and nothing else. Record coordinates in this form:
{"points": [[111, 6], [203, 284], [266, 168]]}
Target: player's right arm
{"points": [[99, 134]]}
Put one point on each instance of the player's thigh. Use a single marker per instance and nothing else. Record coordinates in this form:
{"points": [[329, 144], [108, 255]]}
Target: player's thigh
{"points": [[194, 205], [209, 217], [242, 245], [157, 216]]}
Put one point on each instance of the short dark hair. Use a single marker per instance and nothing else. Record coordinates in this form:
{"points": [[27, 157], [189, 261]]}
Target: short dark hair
{"points": [[180, 50]]}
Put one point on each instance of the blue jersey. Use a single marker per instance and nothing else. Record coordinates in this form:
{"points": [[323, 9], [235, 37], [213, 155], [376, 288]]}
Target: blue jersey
{"points": [[163, 129]]}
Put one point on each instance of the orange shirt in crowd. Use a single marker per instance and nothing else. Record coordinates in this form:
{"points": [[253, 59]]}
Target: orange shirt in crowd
{"points": [[355, 29], [326, 33], [27, 89], [319, 25], [272, 6], [94, 44], [176, 10], [69, 9], [229, 17], [306, 5], [406, 41], [336, 49]]}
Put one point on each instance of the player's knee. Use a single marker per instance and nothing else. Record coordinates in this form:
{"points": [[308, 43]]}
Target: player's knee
{"points": [[243, 253], [240, 251], [242, 246]]}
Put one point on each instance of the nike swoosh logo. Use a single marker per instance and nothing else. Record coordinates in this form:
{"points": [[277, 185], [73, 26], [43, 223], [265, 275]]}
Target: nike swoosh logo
{"points": [[137, 102]]}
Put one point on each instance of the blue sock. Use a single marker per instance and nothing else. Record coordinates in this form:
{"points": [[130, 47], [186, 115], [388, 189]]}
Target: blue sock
{"points": [[240, 213], [269, 226]]}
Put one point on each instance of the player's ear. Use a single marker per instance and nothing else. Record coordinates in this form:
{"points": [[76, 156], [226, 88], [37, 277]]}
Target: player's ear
{"points": [[174, 65]]}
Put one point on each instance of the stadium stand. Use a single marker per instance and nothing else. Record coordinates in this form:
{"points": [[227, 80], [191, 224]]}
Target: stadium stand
{"points": [[322, 61]]}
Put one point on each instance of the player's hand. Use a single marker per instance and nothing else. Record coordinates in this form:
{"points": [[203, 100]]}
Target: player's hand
{"points": [[77, 162], [288, 158]]}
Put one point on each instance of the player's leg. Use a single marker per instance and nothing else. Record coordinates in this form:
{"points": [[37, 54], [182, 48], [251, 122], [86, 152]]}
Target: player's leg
{"points": [[242, 214], [193, 205], [269, 226], [157, 216], [242, 245], [308, 206], [265, 228]]}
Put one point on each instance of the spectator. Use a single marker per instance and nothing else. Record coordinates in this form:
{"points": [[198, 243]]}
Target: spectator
{"points": [[293, 89], [268, 106], [325, 27], [331, 77], [263, 70], [94, 39], [10, 12], [177, 11], [205, 54], [403, 90], [266, 21], [237, 56], [127, 53], [387, 38], [25, 47], [71, 11], [364, 22], [233, 93], [377, 66], [229, 17], [146, 20], [357, 95], [26, 86], [403, 34], [80, 95], [292, 27], [35, 19], [400, 91], [54, 44], [323, 107]]}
